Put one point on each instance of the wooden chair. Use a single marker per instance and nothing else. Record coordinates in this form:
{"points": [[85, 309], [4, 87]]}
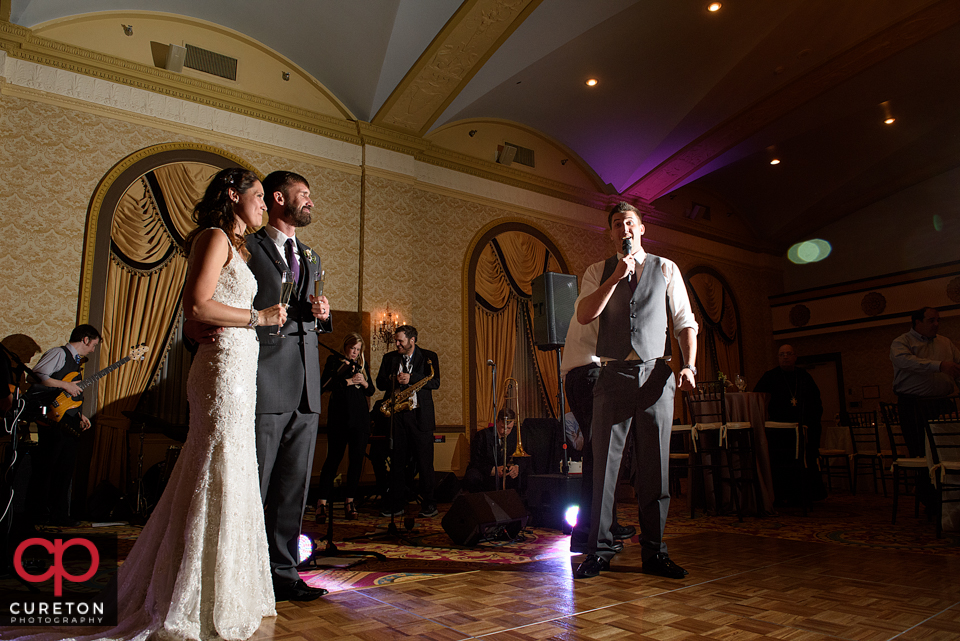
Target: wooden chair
{"points": [[681, 449], [826, 458], [711, 433], [901, 462], [943, 440], [865, 437]]}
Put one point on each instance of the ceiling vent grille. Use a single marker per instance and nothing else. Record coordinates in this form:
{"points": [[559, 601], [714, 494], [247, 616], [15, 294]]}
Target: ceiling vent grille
{"points": [[210, 62], [524, 156]]}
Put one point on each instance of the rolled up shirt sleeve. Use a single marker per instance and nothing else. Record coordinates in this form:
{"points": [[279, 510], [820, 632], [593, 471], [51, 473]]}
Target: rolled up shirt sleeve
{"points": [[680, 308]]}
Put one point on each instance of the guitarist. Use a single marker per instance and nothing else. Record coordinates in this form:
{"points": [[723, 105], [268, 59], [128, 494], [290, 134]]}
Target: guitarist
{"points": [[56, 451]]}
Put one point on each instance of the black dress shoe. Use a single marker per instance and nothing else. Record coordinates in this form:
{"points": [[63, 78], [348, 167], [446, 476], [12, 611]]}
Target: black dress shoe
{"points": [[582, 548], [621, 532], [428, 511], [297, 591], [591, 567], [661, 565]]}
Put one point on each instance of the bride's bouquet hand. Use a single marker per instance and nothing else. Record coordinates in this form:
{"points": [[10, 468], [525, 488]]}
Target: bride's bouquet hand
{"points": [[276, 315]]}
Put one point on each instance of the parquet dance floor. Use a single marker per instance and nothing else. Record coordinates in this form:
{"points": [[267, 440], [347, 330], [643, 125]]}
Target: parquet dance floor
{"points": [[742, 586]]}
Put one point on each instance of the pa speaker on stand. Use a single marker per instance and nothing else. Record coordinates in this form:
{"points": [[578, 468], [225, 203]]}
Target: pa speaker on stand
{"points": [[554, 297]]}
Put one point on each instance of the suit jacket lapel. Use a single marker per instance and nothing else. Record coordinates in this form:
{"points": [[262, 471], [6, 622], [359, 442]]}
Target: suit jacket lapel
{"points": [[270, 249], [306, 269]]}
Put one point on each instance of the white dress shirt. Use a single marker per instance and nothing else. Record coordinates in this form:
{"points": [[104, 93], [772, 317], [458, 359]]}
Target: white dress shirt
{"points": [[916, 364], [680, 309], [280, 240]]}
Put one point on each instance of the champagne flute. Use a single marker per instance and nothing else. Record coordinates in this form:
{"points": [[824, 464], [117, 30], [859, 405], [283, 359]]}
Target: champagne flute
{"points": [[318, 277], [286, 290]]}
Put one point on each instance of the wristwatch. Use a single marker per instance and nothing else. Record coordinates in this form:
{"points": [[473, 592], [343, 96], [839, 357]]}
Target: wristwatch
{"points": [[692, 368]]}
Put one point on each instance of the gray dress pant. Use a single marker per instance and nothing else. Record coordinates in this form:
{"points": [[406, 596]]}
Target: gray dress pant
{"points": [[285, 445], [632, 400]]}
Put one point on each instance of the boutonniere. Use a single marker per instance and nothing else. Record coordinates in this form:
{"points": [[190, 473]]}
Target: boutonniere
{"points": [[311, 256]]}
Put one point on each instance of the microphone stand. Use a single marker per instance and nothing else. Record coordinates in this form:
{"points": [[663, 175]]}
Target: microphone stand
{"points": [[498, 482], [392, 530], [565, 466]]}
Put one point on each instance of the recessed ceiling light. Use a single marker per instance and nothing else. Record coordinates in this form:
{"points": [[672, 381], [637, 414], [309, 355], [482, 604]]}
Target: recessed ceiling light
{"points": [[889, 121], [592, 82], [775, 161], [714, 6]]}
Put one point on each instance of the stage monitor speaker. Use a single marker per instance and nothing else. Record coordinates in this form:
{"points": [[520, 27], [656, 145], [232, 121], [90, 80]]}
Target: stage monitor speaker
{"points": [[481, 516], [554, 298], [447, 488]]}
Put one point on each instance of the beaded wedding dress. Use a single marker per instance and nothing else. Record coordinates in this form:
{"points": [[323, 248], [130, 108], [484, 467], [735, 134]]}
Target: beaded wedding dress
{"points": [[200, 568]]}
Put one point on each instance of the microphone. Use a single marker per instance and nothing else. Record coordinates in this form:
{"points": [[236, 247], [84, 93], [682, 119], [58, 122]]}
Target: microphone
{"points": [[627, 250], [490, 362]]}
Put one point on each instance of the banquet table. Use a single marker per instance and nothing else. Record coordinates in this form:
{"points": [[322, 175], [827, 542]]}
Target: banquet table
{"points": [[751, 407]]}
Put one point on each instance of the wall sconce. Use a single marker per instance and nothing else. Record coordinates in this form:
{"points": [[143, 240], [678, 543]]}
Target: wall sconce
{"points": [[472, 133], [127, 29], [385, 328], [286, 75], [564, 161]]}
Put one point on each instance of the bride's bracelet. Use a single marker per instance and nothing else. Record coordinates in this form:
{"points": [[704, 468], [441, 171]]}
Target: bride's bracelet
{"points": [[254, 317]]}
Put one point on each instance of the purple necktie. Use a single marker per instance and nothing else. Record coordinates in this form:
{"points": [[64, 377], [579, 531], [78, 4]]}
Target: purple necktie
{"points": [[292, 261]]}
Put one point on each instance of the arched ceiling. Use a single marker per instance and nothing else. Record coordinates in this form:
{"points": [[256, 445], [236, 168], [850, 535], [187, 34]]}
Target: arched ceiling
{"points": [[685, 96]]}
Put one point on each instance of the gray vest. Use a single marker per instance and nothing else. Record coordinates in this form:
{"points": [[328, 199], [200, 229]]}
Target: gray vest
{"points": [[638, 321]]}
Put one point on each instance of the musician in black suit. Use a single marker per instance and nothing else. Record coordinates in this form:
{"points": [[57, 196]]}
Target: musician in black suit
{"points": [[56, 453], [412, 428], [486, 469]]}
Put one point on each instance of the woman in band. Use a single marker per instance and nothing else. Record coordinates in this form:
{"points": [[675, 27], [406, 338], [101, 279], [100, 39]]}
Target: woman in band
{"points": [[348, 421]]}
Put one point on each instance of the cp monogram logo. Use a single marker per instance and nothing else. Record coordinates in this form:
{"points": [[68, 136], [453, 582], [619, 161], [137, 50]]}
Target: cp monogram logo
{"points": [[57, 571]]}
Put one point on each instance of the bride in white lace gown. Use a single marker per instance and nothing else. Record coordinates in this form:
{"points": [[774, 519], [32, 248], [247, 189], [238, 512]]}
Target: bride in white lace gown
{"points": [[201, 569]]}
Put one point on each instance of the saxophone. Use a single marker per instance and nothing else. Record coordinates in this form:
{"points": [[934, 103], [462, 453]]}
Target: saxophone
{"points": [[403, 400]]}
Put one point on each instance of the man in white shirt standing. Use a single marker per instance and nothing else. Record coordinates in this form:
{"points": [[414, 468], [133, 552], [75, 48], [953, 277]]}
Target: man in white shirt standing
{"points": [[631, 294], [926, 367]]}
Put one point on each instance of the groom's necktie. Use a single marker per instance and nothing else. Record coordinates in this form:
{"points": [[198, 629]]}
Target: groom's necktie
{"points": [[292, 261]]}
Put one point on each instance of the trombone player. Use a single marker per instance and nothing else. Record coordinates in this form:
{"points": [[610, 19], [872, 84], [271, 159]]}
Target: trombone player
{"points": [[486, 470], [413, 425]]}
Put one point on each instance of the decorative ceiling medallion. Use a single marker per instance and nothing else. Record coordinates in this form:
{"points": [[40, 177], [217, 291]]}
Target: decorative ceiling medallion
{"points": [[873, 304], [799, 315], [953, 290]]}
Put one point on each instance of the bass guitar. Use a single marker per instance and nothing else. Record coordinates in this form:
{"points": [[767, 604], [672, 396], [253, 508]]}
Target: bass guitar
{"points": [[64, 402]]}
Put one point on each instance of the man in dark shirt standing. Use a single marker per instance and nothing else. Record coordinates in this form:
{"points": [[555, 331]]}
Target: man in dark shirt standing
{"points": [[794, 398]]}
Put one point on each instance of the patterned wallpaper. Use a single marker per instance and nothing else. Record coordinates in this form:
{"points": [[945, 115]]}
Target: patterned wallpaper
{"points": [[52, 160], [416, 248], [415, 240]]}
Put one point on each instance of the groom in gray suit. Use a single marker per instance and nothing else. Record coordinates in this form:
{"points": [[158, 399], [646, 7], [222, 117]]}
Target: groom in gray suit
{"points": [[288, 375]]}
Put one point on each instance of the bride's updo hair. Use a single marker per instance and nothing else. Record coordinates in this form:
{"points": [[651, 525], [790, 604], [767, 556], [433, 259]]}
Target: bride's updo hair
{"points": [[215, 209]]}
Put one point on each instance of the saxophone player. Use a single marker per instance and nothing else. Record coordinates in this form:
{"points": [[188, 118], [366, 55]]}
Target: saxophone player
{"points": [[414, 423]]}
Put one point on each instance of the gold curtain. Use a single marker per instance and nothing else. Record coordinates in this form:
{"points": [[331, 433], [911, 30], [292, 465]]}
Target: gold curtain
{"points": [[505, 269], [718, 316], [496, 341], [142, 300]]}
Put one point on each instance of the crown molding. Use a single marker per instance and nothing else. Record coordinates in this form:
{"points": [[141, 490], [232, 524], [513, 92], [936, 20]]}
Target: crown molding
{"points": [[20, 43]]}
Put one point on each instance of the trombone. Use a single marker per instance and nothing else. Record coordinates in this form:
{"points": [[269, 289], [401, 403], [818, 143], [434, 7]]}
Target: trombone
{"points": [[511, 403]]}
